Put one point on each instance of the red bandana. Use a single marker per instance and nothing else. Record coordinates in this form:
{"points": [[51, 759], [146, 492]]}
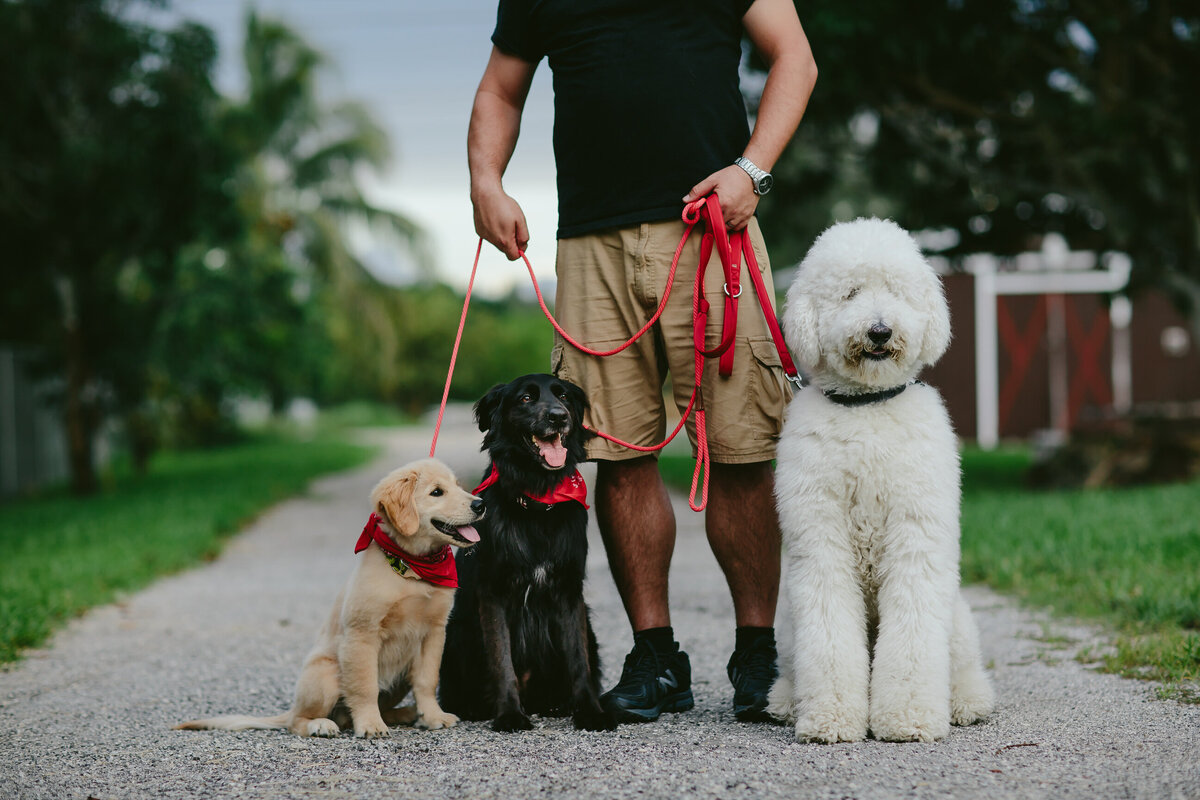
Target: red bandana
{"points": [[438, 568], [572, 487]]}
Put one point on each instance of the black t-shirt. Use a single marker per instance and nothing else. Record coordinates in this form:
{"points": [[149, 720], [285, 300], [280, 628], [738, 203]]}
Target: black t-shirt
{"points": [[646, 100]]}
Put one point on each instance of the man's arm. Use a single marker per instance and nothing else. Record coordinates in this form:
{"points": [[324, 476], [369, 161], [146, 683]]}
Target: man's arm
{"points": [[775, 30], [491, 139]]}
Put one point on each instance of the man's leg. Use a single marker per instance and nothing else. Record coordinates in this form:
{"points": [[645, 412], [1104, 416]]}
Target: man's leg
{"points": [[637, 524], [743, 531]]}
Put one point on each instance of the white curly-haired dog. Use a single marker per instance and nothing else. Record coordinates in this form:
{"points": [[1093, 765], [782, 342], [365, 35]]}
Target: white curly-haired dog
{"points": [[867, 485]]}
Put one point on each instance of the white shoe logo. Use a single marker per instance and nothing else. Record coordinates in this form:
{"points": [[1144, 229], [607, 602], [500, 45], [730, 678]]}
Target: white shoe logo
{"points": [[668, 681]]}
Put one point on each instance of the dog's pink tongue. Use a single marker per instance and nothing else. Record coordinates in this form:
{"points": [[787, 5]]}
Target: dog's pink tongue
{"points": [[469, 533], [552, 451]]}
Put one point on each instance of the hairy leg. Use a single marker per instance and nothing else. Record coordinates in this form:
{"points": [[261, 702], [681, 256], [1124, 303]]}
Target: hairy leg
{"points": [[637, 524], [743, 531]]}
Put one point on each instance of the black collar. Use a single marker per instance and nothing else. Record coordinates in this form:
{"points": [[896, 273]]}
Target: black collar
{"points": [[866, 398]]}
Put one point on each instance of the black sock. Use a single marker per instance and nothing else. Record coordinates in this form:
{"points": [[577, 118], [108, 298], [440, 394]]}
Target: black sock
{"points": [[661, 639], [746, 635]]}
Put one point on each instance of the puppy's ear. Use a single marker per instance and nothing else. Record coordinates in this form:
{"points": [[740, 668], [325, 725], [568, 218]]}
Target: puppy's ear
{"points": [[395, 501], [577, 401], [937, 326], [488, 407], [800, 322]]}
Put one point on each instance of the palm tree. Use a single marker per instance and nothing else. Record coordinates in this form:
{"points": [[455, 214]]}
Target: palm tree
{"points": [[301, 184]]}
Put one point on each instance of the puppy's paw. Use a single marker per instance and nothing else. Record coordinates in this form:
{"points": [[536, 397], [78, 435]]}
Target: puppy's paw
{"points": [[594, 719], [511, 721], [910, 724], [436, 721], [325, 728], [371, 728]]}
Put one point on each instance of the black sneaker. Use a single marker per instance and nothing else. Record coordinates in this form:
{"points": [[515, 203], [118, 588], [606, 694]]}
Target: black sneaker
{"points": [[752, 670], [650, 684]]}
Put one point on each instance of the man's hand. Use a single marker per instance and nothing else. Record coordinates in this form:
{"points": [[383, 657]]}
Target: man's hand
{"points": [[500, 221], [735, 191]]}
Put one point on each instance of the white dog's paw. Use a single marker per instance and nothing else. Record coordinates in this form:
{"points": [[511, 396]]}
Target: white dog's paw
{"points": [[371, 728], [436, 721], [829, 725], [972, 701], [322, 727], [781, 702], [910, 724]]}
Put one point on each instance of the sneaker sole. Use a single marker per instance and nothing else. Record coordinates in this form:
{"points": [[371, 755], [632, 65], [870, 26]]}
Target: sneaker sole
{"points": [[683, 701]]}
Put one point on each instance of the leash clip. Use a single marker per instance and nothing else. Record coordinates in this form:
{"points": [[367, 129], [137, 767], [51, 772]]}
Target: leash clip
{"points": [[734, 296], [796, 380]]}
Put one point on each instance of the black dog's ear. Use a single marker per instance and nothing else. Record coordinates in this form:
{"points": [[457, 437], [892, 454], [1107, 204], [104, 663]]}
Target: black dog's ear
{"points": [[488, 407], [578, 402]]}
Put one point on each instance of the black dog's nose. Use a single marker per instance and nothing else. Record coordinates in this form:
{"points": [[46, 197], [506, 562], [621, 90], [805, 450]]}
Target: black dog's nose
{"points": [[558, 416], [477, 506], [879, 333]]}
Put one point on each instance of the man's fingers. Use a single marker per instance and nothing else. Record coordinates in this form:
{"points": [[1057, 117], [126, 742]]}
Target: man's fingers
{"points": [[700, 190]]}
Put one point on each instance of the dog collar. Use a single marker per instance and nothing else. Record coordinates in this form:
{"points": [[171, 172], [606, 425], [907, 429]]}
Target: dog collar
{"points": [[571, 488], [438, 568], [866, 398]]}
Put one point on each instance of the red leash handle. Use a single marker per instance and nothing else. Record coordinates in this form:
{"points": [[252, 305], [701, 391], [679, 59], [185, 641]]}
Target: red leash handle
{"points": [[729, 250]]}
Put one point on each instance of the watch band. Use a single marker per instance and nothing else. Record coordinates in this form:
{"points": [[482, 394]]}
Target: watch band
{"points": [[761, 178]]}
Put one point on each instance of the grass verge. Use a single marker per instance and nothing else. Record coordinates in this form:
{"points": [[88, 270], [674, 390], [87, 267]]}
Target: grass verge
{"points": [[1122, 558], [60, 554]]}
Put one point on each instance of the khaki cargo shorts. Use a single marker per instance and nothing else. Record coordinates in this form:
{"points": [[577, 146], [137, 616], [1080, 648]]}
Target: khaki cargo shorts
{"points": [[609, 284]]}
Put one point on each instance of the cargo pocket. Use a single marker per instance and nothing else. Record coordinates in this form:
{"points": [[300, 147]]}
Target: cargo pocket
{"points": [[771, 391]]}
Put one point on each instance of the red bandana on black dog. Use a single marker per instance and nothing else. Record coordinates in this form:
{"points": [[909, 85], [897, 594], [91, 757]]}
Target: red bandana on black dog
{"points": [[570, 488], [439, 568]]}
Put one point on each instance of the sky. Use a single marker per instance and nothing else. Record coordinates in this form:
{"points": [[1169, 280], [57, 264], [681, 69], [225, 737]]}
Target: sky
{"points": [[416, 66]]}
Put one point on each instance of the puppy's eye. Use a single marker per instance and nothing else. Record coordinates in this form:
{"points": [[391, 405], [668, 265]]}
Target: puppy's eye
{"points": [[853, 293], [437, 492]]}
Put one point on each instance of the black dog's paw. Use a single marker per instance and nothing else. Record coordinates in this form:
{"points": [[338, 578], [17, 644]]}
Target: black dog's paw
{"points": [[594, 719], [511, 721]]}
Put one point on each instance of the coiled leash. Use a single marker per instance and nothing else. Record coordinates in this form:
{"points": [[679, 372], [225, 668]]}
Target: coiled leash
{"points": [[729, 248]]}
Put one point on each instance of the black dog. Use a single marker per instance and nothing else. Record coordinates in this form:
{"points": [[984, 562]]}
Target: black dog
{"points": [[520, 640]]}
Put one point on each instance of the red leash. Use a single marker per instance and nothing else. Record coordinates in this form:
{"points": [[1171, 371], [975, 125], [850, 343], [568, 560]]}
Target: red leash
{"points": [[730, 249]]}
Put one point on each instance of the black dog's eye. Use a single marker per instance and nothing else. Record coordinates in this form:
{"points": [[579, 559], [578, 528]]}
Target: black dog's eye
{"points": [[526, 398], [437, 492], [850, 295], [560, 392]]}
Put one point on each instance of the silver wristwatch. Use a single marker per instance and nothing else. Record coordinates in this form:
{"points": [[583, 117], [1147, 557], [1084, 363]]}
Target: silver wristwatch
{"points": [[762, 179]]}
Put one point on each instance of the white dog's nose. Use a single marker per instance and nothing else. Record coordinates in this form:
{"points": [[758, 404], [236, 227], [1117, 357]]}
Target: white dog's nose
{"points": [[879, 333]]}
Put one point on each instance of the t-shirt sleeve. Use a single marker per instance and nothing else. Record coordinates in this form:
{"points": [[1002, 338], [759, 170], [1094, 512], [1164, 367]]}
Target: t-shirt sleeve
{"points": [[514, 32], [742, 7]]}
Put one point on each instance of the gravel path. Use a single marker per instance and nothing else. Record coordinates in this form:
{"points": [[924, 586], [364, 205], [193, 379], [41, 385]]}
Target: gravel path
{"points": [[90, 716]]}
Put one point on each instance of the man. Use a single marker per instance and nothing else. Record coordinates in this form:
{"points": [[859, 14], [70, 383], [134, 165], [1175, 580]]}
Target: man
{"points": [[647, 104]]}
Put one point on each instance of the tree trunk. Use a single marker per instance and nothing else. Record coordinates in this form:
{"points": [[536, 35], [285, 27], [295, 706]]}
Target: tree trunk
{"points": [[78, 415]]}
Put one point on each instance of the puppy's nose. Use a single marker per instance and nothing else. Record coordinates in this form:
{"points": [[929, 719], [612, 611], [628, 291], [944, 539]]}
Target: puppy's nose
{"points": [[558, 415], [477, 506], [879, 333]]}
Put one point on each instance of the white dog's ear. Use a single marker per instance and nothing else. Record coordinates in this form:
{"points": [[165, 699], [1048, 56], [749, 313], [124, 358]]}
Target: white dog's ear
{"points": [[395, 502], [937, 328], [800, 326]]}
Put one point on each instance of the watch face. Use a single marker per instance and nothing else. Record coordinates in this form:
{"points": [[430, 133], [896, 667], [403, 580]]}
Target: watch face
{"points": [[765, 183]]}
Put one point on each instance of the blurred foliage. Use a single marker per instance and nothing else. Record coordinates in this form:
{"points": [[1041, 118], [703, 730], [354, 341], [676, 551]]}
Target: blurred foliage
{"points": [[1003, 121], [169, 250]]}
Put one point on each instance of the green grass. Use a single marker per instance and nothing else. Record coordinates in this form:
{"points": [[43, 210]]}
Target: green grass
{"points": [[1128, 559], [60, 555]]}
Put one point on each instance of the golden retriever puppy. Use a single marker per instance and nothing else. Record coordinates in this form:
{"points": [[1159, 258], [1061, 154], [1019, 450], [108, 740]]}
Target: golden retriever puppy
{"points": [[388, 625]]}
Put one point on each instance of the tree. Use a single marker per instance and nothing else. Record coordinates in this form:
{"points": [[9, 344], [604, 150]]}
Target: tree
{"points": [[109, 163], [1004, 121], [300, 184]]}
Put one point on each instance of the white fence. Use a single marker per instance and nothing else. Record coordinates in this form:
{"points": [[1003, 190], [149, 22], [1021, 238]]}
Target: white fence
{"points": [[32, 444]]}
